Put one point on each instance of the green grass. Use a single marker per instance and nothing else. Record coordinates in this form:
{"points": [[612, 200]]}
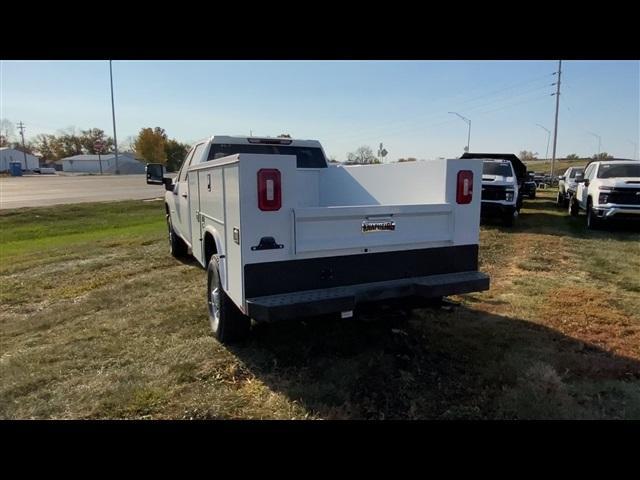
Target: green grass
{"points": [[98, 321]]}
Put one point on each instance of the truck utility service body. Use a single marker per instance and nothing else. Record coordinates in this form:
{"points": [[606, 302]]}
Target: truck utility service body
{"points": [[292, 235]]}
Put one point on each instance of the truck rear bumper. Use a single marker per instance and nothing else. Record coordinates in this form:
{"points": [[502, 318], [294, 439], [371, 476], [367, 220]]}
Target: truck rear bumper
{"points": [[341, 299]]}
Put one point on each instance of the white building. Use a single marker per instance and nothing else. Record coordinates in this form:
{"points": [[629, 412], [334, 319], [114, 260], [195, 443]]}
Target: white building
{"points": [[127, 163], [10, 155]]}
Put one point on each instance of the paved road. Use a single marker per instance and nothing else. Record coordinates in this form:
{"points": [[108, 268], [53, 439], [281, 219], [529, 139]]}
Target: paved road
{"points": [[42, 190]]}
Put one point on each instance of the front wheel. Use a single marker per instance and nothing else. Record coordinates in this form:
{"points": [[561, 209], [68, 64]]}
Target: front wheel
{"points": [[561, 200], [509, 218], [574, 208], [177, 247], [593, 222], [228, 323]]}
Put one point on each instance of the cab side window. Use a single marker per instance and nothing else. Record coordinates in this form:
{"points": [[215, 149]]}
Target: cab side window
{"points": [[185, 164], [194, 154], [590, 169]]}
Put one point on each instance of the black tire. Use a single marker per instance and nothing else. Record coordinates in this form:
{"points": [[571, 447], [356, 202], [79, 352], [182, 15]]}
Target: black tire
{"points": [[228, 323], [533, 195], [561, 200], [508, 219], [574, 208], [177, 247], [593, 222]]}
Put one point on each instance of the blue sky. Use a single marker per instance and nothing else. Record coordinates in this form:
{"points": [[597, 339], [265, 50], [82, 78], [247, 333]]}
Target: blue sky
{"points": [[344, 104]]}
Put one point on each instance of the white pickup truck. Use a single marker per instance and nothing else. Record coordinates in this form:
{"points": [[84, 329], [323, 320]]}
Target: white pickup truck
{"points": [[608, 190], [503, 177], [284, 234], [567, 186]]}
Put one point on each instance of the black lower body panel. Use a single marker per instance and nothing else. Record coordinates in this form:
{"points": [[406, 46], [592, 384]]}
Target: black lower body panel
{"points": [[273, 278], [332, 284]]}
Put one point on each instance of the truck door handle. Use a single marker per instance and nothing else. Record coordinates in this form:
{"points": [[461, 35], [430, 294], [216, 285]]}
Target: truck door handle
{"points": [[184, 195]]}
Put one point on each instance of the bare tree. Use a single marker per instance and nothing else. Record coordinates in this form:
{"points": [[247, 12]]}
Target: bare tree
{"points": [[363, 156]]}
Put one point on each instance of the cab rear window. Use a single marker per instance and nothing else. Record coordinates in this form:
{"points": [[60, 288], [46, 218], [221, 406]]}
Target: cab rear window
{"points": [[307, 157]]}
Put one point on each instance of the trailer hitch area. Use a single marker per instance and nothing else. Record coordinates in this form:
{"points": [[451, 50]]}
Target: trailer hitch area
{"points": [[267, 243]]}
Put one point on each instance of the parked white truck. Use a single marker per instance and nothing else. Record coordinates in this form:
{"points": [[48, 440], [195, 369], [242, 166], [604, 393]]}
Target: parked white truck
{"points": [[284, 234], [608, 190], [503, 178], [567, 185]]}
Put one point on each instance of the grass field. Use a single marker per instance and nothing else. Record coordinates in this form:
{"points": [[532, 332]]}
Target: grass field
{"points": [[98, 321], [560, 166]]}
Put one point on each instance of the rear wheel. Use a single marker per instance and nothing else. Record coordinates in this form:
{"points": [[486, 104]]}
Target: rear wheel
{"points": [[177, 247], [228, 323]]}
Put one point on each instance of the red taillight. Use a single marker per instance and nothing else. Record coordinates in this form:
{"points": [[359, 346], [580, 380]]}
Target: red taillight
{"points": [[464, 192], [269, 191]]}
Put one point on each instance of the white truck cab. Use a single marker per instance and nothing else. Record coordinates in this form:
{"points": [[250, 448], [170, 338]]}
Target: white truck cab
{"points": [[608, 190], [284, 234]]}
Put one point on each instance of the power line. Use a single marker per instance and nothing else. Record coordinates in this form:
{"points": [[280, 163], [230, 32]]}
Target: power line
{"points": [[354, 133]]}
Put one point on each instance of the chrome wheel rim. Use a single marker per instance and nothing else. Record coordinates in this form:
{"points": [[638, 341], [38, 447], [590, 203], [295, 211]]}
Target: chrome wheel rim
{"points": [[214, 307]]}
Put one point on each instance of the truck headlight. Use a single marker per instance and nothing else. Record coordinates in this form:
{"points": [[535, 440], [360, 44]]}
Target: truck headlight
{"points": [[509, 196]]}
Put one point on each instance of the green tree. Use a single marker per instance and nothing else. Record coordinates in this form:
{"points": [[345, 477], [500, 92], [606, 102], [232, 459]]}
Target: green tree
{"points": [[88, 138], [284, 135], [150, 145], [175, 152], [602, 156], [572, 156]]}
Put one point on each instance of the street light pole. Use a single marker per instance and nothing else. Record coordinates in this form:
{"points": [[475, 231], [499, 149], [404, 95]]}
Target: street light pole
{"points": [[113, 115], [546, 155], [468, 122], [599, 142]]}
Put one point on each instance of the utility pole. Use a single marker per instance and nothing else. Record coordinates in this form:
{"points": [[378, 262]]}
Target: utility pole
{"points": [[24, 151], [113, 114], [555, 129]]}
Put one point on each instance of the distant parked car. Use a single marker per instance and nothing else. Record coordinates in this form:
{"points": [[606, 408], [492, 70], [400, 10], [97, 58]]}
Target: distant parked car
{"points": [[567, 185]]}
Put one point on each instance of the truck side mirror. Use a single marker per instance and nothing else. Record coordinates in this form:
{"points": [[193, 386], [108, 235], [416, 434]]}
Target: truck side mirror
{"points": [[168, 183], [155, 174], [586, 182], [561, 177]]}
